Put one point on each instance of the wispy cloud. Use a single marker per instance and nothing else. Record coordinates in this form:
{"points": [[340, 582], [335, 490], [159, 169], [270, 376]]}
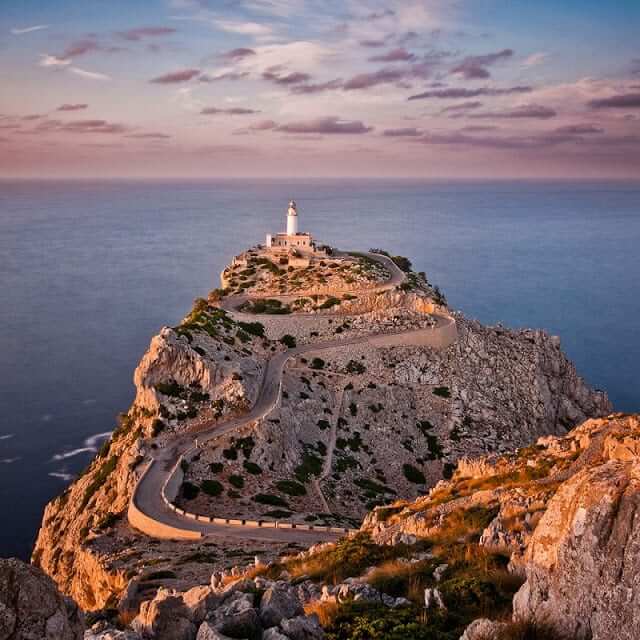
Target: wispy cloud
{"points": [[17, 31], [140, 33], [231, 111], [174, 77], [535, 59], [475, 67], [454, 93], [90, 75], [72, 107], [327, 125], [618, 101], [47, 60], [536, 111]]}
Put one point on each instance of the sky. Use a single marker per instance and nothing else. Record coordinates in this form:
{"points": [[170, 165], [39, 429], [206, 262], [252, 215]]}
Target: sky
{"points": [[320, 88]]}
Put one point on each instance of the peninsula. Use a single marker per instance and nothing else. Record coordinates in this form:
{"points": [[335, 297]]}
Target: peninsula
{"points": [[323, 435]]}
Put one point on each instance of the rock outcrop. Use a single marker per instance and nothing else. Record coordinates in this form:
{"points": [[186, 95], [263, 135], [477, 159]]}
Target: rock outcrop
{"points": [[31, 606], [582, 560]]}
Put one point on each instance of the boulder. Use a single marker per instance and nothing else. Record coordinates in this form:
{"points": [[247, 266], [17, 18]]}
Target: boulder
{"points": [[208, 632], [31, 606], [483, 629], [279, 602], [237, 617], [582, 561], [302, 628], [198, 601], [274, 634], [166, 617]]}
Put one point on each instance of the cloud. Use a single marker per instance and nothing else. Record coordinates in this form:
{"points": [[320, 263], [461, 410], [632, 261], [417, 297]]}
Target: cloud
{"points": [[368, 80], [244, 28], [475, 67], [462, 106], [524, 111], [152, 135], [72, 107], [309, 88], [135, 35], [228, 75], [407, 132], [231, 111], [274, 74], [579, 129], [395, 55], [78, 126], [618, 101], [80, 48], [372, 44], [263, 125], [535, 59], [175, 77], [91, 75], [16, 31], [328, 125], [237, 54], [470, 93], [47, 60]]}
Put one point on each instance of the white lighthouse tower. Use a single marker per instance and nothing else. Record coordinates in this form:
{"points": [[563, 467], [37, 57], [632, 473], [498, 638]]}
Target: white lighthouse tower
{"points": [[292, 219]]}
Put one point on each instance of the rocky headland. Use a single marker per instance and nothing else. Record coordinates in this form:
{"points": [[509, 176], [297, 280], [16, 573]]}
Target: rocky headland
{"points": [[446, 446]]}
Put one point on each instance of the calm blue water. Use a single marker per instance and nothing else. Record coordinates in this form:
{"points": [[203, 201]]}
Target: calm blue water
{"points": [[90, 271]]}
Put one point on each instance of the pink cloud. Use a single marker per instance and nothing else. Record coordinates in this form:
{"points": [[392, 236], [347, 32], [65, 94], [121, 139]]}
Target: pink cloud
{"points": [[328, 125], [175, 77], [72, 107]]}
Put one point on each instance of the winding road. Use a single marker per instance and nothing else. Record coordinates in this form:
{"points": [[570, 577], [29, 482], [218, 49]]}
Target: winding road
{"points": [[151, 508]]}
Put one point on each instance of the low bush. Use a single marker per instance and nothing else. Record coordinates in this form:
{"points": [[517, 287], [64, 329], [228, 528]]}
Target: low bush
{"points": [[412, 474], [212, 487], [236, 481], [288, 341], [252, 467], [442, 392], [270, 499], [353, 366], [189, 490], [216, 467], [317, 363], [291, 487]]}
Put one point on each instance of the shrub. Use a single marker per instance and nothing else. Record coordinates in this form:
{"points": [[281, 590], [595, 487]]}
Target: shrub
{"points": [[329, 302], [317, 363], [162, 574], [288, 341], [99, 478], [170, 388], [252, 467], [291, 487], [216, 467], [412, 474], [212, 487], [402, 263], [230, 454], [278, 514], [443, 392], [353, 409], [311, 465], [236, 481], [324, 424], [270, 499], [189, 490], [353, 366], [253, 328]]}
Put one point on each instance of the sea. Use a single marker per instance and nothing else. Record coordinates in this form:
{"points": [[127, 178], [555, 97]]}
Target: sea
{"points": [[91, 270]]}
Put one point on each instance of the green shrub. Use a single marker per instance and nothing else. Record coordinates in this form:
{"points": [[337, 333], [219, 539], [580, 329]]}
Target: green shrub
{"points": [[170, 388], [288, 341], [252, 467], [329, 302], [311, 465], [278, 514], [190, 490], [99, 478], [324, 424], [236, 481], [291, 487], [162, 574], [270, 499], [230, 454], [412, 474], [216, 467], [443, 392], [253, 328], [212, 487], [317, 363], [353, 366], [402, 263]]}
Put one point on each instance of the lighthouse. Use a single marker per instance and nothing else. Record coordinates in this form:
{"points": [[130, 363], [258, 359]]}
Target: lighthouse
{"points": [[292, 219]]}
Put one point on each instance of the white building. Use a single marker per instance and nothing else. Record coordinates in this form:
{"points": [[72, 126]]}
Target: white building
{"points": [[292, 239]]}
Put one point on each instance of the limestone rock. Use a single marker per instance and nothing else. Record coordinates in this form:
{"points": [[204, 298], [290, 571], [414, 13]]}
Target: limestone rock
{"points": [[581, 563], [302, 628], [279, 602], [483, 629], [165, 617], [237, 617], [208, 632], [31, 606]]}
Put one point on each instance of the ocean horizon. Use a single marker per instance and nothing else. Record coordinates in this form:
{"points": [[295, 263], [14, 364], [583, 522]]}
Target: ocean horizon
{"points": [[91, 269]]}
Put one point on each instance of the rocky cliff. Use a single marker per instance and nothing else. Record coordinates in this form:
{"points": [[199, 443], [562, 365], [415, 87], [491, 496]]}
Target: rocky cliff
{"points": [[358, 427]]}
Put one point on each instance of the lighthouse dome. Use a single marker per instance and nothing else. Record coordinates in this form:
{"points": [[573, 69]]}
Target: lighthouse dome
{"points": [[292, 205]]}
